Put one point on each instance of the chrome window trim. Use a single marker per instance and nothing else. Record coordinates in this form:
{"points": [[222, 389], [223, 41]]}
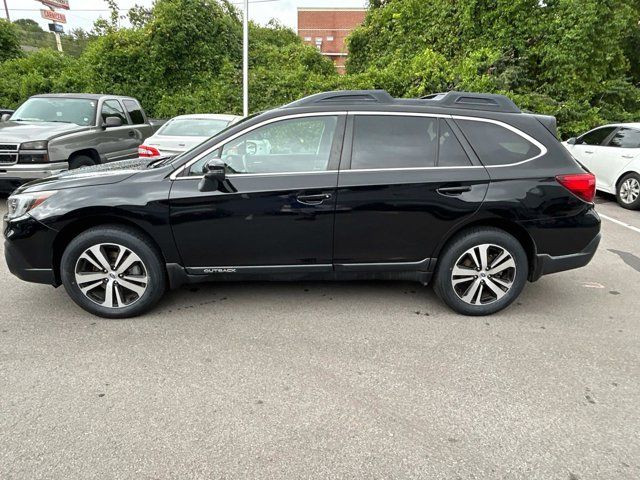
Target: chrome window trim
{"points": [[541, 147]]}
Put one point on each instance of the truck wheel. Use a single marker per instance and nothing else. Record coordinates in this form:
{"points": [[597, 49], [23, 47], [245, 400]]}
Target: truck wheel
{"points": [[81, 161], [113, 272], [481, 271], [628, 191]]}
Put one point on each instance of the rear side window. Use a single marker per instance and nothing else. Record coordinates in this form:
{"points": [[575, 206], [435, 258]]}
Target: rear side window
{"points": [[626, 138], [135, 111], [450, 153], [381, 141], [495, 144], [596, 137]]}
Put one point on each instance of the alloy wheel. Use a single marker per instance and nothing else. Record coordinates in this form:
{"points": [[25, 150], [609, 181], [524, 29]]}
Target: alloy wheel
{"points": [[630, 190], [483, 274], [111, 275]]}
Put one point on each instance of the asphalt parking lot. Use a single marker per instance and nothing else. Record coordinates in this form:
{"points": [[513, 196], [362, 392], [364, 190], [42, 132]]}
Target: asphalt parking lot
{"points": [[348, 380]]}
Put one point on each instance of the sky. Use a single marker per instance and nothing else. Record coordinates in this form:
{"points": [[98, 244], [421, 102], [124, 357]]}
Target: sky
{"points": [[84, 12]]}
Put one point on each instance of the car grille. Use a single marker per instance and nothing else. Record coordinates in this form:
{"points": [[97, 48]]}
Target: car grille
{"points": [[8, 154]]}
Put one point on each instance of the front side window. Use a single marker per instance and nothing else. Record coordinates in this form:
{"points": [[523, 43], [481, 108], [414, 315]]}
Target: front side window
{"points": [[112, 108], [626, 138], [390, 141], [287, 146], [497, 145], [135, 111], [596, 137]]}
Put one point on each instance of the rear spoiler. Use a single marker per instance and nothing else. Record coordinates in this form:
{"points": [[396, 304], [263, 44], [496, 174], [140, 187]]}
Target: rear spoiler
{"points": [[549, 122]]}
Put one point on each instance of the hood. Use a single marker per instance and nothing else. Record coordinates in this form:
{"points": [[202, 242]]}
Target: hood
{"points": [[18, 132], [103, 174]]}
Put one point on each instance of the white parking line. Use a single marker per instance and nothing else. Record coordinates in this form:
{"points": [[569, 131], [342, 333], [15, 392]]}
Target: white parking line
{"points": [[630, 227]]}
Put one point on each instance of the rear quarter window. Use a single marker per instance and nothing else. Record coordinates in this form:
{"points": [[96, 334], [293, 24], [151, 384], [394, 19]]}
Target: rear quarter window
{"points": [[497, 145]]}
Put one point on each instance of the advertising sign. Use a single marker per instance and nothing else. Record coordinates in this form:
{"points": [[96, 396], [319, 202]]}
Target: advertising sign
{"points": [[53, 16], [56, 3]]}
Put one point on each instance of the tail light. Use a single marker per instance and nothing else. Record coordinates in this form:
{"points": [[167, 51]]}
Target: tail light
{"points": [[147, 151], [582, 185]]}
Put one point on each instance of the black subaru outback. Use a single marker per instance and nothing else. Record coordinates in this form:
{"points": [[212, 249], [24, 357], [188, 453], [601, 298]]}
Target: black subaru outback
{"points": [[460, 188]]}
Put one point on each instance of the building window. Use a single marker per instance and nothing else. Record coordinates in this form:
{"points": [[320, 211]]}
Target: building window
{"points": [[307, 39], [329, 39]]}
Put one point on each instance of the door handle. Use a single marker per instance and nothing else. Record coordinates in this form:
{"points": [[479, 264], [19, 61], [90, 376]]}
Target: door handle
{"points": [[313, 199], [588, 151], [627, 156], [132, 133], [451, 191]]}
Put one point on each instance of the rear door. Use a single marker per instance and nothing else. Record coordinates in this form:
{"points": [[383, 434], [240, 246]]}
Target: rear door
{"points": [[405, 180]]}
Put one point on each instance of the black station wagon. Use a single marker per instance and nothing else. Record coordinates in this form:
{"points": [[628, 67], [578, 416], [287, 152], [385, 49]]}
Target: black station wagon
{"points": [[461, 189]]}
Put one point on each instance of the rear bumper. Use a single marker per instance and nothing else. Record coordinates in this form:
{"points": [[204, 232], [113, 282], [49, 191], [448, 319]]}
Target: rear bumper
{"points": [[547, 264], [31, 171]]}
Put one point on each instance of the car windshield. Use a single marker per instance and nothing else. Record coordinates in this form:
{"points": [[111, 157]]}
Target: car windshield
{"points": [[62, 110], [193, 127]]}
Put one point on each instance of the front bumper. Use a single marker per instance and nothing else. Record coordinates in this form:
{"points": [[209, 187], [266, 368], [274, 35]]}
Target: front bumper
{"points": [[31, 171], [28, 250], [546, 264]]}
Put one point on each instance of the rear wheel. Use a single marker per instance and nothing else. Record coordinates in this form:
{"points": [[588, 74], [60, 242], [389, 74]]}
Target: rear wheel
{"points": [[482, 271], [80, 161], [113, 272], [628, 191]]}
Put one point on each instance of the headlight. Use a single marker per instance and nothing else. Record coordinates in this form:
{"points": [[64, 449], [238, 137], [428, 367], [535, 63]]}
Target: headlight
{"points": [[39, 145], [20, 204]]}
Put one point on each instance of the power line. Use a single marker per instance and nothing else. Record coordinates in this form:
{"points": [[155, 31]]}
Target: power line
{"points": [[119, 9]]}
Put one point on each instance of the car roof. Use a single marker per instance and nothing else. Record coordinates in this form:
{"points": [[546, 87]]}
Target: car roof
{"points": [[630, 124], [212, 116], [87, 96]]}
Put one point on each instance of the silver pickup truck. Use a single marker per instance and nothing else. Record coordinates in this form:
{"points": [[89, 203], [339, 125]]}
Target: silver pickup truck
{"points": [[55, 132]]}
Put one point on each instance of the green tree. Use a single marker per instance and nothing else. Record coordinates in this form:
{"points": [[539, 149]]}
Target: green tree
{"points": [[9, 44]]}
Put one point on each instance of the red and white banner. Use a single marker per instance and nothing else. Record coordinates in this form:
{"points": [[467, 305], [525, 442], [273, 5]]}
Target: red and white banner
{"points": [[53, 16], [56, 3]]}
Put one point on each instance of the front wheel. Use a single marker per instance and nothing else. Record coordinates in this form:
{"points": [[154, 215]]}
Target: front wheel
{"points": [[113, 272], [481, 271], [628, 191]]}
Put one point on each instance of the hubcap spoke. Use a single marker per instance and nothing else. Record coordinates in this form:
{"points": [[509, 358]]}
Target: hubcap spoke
{"points": [[99, 256], [471, 292], [139, 289], [108, 295], [503, 266], [88, 288], [127, 262], [82, 278], [495, 289]]}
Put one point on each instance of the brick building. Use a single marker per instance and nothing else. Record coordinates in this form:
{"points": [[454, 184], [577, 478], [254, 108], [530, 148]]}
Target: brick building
{"points": [[327, 29]]}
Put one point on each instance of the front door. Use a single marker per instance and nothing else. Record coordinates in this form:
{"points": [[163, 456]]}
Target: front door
{"points": [[621, 149], [589, 151], [408, 180], [118, 143], [277, 214]]}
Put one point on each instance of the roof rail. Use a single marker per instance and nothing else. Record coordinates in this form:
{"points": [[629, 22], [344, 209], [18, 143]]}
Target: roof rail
{"points": [[345, 96], [474, 101], [464, 100]]}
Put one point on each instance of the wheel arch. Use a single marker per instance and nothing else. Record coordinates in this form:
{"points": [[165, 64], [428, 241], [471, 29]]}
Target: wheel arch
{"points": [[89, 152], [626, 172], [510, 227], [75, 228]]}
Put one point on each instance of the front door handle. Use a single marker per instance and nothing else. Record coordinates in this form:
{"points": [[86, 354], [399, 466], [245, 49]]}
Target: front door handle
{"points": [[451, 191], [588, 151], [132, 133], [313, 199]]}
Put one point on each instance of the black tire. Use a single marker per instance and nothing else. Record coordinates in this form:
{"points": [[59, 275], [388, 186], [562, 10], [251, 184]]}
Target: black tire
{"points": [[81, 161], [621, 194], [453, 253], [150, 264]]}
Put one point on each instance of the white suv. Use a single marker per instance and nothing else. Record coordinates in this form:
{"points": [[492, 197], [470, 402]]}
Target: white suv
{"points": [[612, 153]]}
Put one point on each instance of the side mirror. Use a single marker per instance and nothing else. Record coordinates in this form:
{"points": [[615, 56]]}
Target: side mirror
{"points": [[572, 141], [5, 117], [112, 122], [214, 175]]}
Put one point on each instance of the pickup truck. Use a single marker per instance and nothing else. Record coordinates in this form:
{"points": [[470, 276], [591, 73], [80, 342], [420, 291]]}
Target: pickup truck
{"points": [[51, 133]]}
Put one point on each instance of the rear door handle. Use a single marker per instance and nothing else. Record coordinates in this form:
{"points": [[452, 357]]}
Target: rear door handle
{"points": [[627, 156], [313, 199], [451, 191]]}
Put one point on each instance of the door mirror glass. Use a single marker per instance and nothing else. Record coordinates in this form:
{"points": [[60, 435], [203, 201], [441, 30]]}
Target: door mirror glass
{"points": [[110, 122], [572, 141]]}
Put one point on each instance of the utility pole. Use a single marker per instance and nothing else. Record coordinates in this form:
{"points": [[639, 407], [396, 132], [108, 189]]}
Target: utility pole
{"points": [[6, 9], [245, 59]]}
